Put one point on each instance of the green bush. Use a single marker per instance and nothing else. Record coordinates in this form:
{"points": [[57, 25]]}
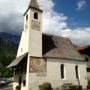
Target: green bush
{"points": [[88, 86], [18, 87], [45, 86], [5, 72]]}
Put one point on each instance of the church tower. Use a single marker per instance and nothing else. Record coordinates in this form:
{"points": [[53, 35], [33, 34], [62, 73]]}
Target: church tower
{"points": [[32, 70], [31, 40]]}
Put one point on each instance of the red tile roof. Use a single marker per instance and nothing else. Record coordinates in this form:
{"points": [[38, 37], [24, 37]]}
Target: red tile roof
{"points": [[82, 47]]}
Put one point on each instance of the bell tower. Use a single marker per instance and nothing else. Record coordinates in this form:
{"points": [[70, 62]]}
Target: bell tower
{"points": [[31, 39], [33, 25]]}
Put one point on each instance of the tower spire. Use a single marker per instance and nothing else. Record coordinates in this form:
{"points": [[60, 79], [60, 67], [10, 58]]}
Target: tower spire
{"points": [[33, 5]]}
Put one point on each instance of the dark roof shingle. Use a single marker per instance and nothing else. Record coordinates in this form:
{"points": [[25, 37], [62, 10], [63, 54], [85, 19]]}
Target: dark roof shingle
{"points": [[17, 60], [34, 4], [59, 47]]}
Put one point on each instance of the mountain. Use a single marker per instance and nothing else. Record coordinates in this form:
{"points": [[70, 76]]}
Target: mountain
{"points": [[9, 38], [8, 47]]}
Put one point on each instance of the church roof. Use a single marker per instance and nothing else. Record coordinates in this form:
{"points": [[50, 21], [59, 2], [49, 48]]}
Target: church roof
{"points": [[59, 47], [34, 5], [17, 60], [54, 47], [82, 47]]}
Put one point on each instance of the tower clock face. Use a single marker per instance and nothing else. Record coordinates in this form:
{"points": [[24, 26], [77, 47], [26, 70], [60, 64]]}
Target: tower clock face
{"points": [[35, 25], [37, 65]]}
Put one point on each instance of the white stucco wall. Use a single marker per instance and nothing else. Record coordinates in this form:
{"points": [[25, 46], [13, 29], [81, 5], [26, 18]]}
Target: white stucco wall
{"points": [[54, 75], [24, 41], [23, 46], [87, 64], [35, 36], [31, 39]]}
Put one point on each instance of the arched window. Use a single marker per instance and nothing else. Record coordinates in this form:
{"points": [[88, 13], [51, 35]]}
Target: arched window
{"points": [[27, 17], [35, 15], [76, 70], [62, 71]]}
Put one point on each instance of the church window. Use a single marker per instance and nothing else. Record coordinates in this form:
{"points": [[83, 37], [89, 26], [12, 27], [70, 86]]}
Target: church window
{"points": [[76, 70], [35, 15], [62, 71], [86, 59], [27, 17]]}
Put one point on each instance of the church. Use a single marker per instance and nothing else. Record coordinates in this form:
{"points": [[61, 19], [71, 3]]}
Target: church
{"points": [[85, 52], [45, 58]]}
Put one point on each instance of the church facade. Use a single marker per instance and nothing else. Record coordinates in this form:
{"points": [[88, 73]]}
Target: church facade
{"points": [[84, 51], [45, 58]]}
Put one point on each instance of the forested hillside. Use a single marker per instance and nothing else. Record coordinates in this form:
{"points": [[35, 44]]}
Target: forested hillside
{"points": [[7, 53]]}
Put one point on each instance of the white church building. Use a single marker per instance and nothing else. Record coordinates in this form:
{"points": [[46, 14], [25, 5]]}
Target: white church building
{"points": [[45, 58]]}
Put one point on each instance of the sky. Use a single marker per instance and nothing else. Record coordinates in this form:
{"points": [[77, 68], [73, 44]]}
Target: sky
{"points": [[67, 18]]}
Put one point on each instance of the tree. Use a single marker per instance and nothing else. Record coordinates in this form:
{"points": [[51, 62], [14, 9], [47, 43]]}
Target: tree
{"points": [[2, 69], [5, 72]]}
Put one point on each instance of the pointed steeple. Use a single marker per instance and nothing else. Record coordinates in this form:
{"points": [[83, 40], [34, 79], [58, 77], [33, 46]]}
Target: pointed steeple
{"points": [[33, 5]]}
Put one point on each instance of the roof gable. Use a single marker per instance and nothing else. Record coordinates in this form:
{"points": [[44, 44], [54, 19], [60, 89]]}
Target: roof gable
{"points": [[59, 47]]}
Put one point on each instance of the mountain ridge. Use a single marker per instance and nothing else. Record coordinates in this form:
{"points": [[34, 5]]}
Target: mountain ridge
{"points": [[10, 38], [8, 47]]}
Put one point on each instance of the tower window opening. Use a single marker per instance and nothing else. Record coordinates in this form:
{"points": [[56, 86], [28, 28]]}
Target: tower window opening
{"points": [[27, 17], [35, 15]]}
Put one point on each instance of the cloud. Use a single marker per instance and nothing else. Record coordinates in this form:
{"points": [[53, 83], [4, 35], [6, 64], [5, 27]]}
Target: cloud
{"points": [[79, 36], [56, 24], [11, 23], [11, 17], [11, 20], [12, 11], [53, 22], [81, 4]]}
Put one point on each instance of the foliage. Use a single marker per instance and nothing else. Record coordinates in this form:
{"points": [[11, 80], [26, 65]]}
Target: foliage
{"points": [[18, 87], [7, 54], [45, 86], [88, 86], [5, 72]]}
